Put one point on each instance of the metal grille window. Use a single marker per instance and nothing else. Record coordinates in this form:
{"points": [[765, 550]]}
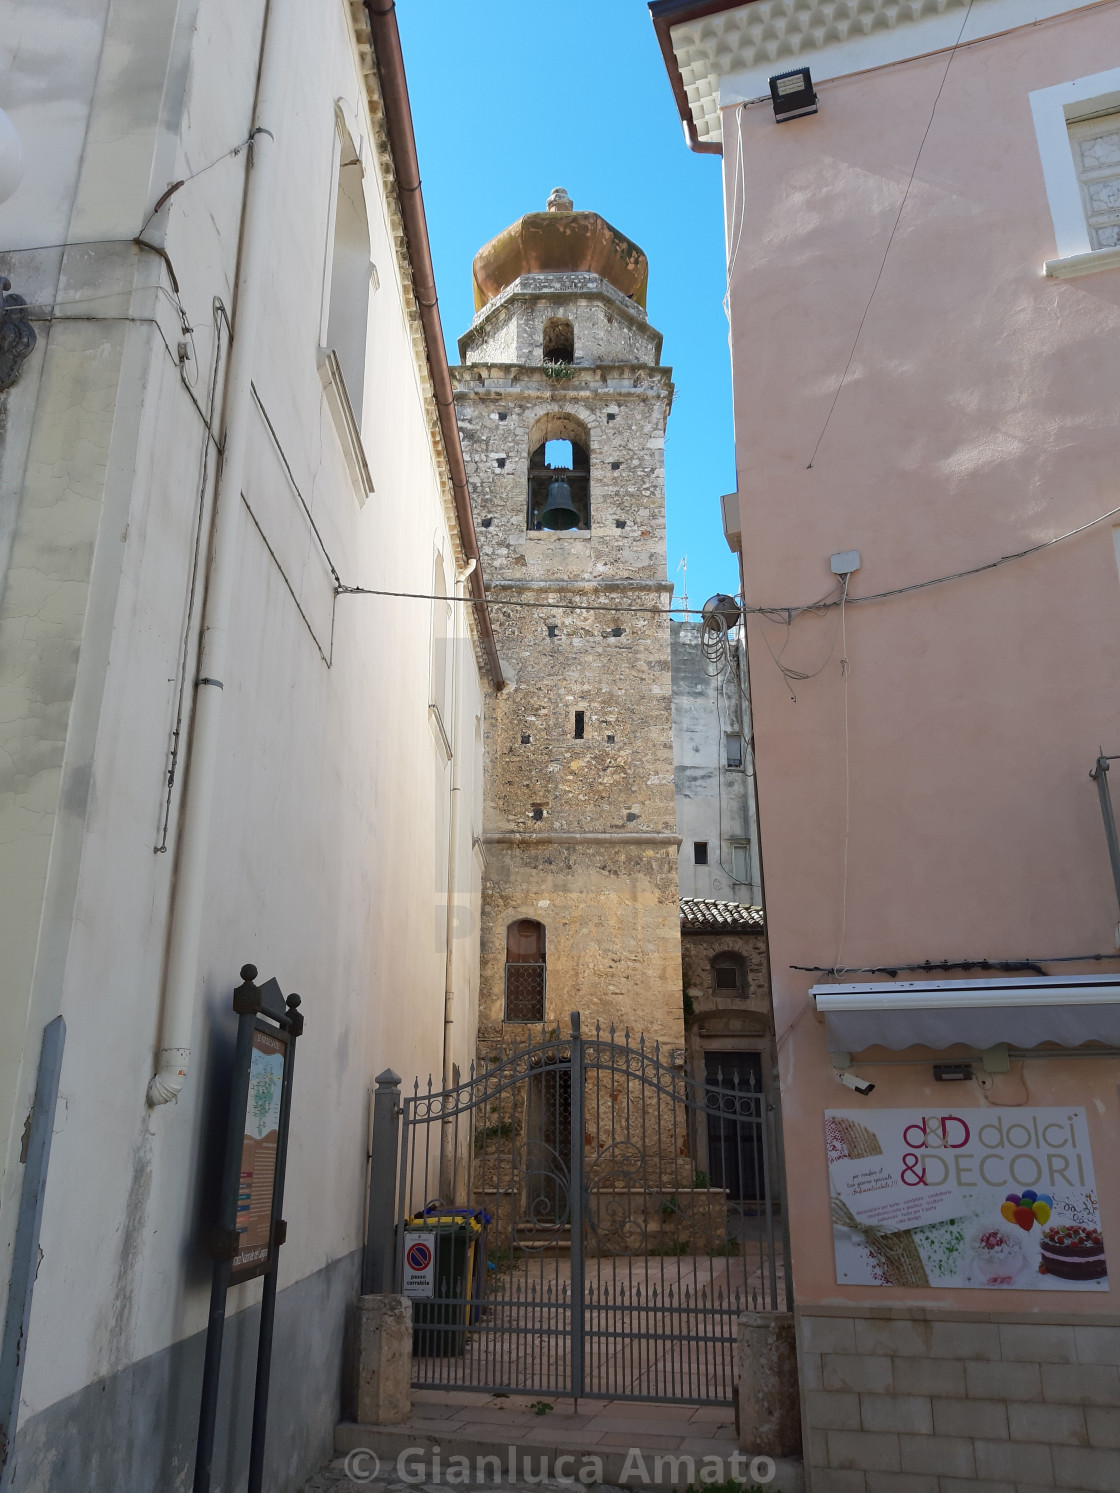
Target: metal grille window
{"points": [[729, 973], [1096, 152], [525, 981]]}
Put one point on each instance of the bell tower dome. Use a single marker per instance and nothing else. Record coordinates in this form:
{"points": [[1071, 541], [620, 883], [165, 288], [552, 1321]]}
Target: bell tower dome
{"points": [[562, 403]]}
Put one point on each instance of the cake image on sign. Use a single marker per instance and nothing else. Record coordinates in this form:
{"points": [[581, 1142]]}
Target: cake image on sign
{"points": [[972, 1197], [1073, 1252]]}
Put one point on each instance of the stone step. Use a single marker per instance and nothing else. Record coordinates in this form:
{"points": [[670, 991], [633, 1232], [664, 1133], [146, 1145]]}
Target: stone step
{"points": [[543, 1238], [628, 1458]]}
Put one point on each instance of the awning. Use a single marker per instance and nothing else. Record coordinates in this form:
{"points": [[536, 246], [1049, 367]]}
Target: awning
{"points": [[1068, 1010]]}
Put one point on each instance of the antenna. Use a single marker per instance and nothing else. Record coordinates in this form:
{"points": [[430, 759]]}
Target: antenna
{"points": [[683, 568]]}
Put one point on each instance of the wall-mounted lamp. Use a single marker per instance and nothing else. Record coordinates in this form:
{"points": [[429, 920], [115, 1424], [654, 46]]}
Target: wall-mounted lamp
{"points": [[793, 94]]}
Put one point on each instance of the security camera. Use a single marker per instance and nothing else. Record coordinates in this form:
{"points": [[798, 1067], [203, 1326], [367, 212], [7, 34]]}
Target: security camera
{"points": [[853, 1081]]}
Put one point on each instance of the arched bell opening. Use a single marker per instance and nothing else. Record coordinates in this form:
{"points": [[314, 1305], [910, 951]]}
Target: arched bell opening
{"points": [[559, 474]]}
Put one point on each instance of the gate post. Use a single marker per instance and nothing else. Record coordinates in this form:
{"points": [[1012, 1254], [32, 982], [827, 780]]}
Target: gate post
{"points": [[380, 1252], [575, 1208]]}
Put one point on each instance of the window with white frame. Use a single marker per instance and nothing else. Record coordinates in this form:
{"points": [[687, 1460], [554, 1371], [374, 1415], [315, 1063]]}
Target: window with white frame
{"points": [[1096, 155], [1078, 129], [348, 310]]}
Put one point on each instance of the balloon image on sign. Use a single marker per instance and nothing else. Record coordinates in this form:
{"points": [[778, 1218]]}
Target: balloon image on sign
{"points": [[968, 1198], [419, 1266]]}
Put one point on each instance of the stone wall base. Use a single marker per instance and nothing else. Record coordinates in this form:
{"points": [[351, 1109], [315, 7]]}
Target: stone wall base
{"points": [[909, 1399]]}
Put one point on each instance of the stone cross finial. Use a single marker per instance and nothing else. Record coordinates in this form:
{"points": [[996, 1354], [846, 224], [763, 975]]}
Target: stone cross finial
{"points": [[559, 201]]}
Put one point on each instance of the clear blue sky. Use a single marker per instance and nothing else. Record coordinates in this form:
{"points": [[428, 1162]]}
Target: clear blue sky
{"points": [[511, 98]]}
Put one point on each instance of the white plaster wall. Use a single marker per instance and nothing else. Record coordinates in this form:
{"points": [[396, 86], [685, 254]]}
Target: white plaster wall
{"points": [[329, 837], [713, 803]]}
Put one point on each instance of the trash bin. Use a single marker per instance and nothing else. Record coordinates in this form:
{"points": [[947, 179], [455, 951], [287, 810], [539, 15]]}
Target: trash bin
{"points": [[440, 1325]]}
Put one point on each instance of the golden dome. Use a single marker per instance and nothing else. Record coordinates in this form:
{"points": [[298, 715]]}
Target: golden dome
{"points": [[558, 240]]}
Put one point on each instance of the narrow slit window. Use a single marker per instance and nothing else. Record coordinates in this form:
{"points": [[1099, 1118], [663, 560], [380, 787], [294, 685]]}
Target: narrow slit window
{"points": [[734, 751], [579, 725], [700, 852]]}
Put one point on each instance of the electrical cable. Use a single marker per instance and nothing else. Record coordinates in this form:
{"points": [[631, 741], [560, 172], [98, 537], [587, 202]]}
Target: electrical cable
{"points": [[175, 185], [890, 240], [931, 966], [844, 672], [798, 676]]}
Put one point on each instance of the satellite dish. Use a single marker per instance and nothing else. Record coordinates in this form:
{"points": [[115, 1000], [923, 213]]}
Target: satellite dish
{"points": [[724, 607]]}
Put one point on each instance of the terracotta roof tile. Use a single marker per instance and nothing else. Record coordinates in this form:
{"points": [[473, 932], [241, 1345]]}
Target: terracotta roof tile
{"points": [[699, 915]]}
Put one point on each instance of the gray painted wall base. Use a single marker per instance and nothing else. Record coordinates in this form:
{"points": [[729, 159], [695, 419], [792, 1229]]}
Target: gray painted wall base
{"points": [[135, 1431]]}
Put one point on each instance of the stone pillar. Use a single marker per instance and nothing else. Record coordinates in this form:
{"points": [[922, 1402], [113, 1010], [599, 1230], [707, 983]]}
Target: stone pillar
{"points": [[382, 1393], [768, 1405]]}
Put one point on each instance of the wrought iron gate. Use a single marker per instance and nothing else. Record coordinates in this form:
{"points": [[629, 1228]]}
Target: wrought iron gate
{"points": [[591, 1233]]}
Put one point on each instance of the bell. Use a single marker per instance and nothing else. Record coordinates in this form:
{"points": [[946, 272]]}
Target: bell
{"points": [[558, 511]]}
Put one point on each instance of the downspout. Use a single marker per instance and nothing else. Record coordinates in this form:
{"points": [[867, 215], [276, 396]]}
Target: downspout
{"points": [[453, 847], [452, 866], [188, 894]]}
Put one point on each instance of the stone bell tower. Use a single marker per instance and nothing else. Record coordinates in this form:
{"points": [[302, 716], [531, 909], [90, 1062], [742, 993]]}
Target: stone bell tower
{"points": [[562, 403]]}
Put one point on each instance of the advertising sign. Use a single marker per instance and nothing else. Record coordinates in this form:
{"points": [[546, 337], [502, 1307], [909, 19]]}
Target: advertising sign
{"points": [[419, 1266], [988, 1198], [258, 1155]]}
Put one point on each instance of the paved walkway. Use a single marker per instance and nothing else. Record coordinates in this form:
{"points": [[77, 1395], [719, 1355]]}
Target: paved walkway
{"points": [[513, 1441]]}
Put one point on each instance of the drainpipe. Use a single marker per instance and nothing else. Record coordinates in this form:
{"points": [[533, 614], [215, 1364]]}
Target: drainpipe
{"points": [[188, 894], [452, 864], [1099, 775], [453, 841]]}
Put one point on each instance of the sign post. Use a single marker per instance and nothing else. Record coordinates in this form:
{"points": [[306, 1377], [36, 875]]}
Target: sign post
{"points": [[246, 1241]]}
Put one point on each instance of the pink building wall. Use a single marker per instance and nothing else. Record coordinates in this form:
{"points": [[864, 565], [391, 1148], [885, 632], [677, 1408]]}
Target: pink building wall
{"points": [[934, 803]]}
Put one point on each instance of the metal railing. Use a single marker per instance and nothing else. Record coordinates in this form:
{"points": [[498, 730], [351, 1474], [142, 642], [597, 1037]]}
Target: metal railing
{"points": [[601, 1220]]}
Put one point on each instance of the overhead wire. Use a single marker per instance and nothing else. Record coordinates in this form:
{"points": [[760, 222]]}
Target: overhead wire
{"points": [[772, 611], [184, 649], [890, 240], [930, 966]]}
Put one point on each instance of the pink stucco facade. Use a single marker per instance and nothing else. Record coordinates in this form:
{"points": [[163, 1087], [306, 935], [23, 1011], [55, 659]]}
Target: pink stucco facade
{"points": [[931, 798], [978, 418]]}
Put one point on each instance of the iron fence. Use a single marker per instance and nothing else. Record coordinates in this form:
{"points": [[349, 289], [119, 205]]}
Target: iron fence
{"points": [[600, 1221]]}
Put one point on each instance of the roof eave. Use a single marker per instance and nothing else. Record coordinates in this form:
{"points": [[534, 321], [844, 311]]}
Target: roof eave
{"points": [[666, 14]]}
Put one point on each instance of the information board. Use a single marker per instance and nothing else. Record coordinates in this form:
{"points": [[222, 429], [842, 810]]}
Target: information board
{"points": [[989, 1198], [259, 1143]]}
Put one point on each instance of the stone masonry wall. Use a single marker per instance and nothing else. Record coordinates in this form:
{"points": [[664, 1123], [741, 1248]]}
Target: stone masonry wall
{"points": [[613, 941], [608, 327], [902, 1399], [624, 411], [619, 775], [580, 831], [722, 1020]]}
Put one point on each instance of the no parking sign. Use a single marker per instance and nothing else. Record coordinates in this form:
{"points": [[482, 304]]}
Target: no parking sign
{"points": [[419, 1265]]}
